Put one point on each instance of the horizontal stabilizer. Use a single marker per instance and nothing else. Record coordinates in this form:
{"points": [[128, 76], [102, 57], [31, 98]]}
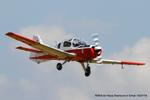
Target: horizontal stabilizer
{"points": [[29, 49]]}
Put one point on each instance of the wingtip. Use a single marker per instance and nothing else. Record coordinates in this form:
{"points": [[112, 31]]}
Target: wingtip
{"points": [[9, 33], [142, 64]]}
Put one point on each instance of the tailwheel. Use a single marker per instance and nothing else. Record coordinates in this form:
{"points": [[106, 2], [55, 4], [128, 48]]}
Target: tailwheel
{"points": [[59, 66], [87, 71]]}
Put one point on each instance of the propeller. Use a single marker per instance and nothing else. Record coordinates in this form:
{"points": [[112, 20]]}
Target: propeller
{"points": [[95, 39], [97, 48]]}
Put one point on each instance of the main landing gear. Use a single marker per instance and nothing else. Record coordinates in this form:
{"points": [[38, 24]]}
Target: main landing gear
{"points": [[87, 69], [59, 66]]}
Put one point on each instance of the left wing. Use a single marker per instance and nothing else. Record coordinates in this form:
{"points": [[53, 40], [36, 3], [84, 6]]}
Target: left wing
{"points": [[60, 54], [108, 61]]}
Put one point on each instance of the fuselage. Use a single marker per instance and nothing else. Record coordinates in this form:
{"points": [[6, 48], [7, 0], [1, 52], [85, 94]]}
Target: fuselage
{"points": [[83, 54], [82, 51]]}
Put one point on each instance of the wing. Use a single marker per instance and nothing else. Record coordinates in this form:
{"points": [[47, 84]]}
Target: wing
{"points": [[50, 50], [108, 61]]}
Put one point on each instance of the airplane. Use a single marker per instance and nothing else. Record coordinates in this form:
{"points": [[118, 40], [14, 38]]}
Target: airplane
{"points": [[69, 50]]}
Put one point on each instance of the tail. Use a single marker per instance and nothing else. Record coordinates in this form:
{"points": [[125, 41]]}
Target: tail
{"points": [[37, 38]]}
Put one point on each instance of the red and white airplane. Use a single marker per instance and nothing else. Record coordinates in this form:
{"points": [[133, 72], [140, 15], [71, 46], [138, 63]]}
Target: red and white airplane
{"points": [[68, 50]]}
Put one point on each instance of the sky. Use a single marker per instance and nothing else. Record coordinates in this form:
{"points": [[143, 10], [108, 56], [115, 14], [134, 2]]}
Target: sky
{"points": [[123, 28]]}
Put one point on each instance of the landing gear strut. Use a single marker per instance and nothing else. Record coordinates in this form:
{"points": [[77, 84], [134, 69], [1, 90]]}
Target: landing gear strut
{"points": [[87, 69]]}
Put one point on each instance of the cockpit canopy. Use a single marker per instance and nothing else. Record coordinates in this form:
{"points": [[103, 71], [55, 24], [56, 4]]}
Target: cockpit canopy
{"points": [[78, 43], [73, 43]]}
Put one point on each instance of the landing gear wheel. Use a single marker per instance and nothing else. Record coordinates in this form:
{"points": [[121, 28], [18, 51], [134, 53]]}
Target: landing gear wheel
{"points": [[59, 66], [87, 71]]}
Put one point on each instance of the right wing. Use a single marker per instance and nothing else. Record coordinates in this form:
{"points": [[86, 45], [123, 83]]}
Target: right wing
{"points": [[108, 61], [60, 54]]}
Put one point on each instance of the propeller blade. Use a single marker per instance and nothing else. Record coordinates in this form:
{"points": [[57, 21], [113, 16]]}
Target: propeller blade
{"points": [[95, 39]]}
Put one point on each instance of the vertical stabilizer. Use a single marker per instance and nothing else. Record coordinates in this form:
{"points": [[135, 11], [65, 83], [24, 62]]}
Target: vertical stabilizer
{"points": [[37, 38]]}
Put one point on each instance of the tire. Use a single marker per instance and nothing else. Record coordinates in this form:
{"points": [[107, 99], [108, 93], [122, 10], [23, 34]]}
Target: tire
{"points": [[87, 71], [59, 66]]}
